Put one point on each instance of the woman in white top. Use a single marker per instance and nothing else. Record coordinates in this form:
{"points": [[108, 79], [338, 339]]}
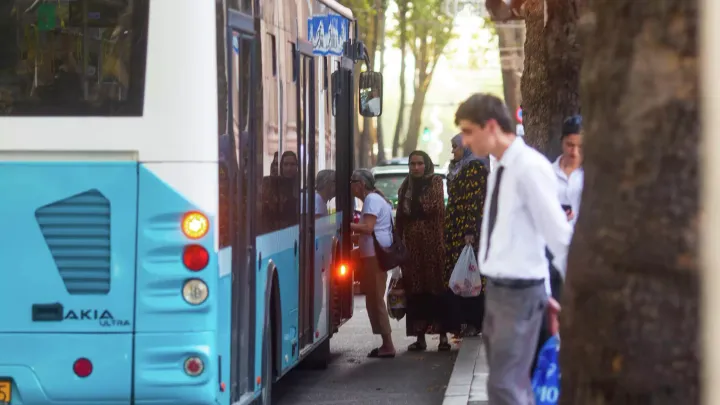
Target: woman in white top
{"points": [[376, 218], [570, 176], [568, 167]]}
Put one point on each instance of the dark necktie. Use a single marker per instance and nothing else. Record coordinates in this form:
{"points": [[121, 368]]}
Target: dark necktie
{"points": [[493, 209]]}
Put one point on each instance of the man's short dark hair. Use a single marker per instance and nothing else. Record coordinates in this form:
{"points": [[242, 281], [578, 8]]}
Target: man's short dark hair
{"points": [[481, 107]]}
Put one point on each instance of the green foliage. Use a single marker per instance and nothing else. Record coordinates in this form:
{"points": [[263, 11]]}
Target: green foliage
{"points": [[475, 47], [429, 30], [364, 12]]}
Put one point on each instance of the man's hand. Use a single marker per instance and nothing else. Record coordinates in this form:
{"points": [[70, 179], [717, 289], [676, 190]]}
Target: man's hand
{"points": [[469, 239], [570, 215], [553, 312]]}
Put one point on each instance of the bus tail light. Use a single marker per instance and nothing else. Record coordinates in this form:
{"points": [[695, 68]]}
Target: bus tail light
{"points": [[195, 291], [195, 225], [82, 367], [343, 270], [194, 366], [195, 257]]}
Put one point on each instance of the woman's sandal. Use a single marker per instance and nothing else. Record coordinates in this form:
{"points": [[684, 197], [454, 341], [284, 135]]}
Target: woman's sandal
{"points": [[417, 347], [375, 354], [444, 346]]}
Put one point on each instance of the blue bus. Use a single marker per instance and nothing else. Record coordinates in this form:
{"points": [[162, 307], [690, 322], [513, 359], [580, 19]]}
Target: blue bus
{"points": [[158, 163]]}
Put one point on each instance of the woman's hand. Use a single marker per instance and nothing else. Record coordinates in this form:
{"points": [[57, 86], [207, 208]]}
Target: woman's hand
{"points": [[469, 240]]}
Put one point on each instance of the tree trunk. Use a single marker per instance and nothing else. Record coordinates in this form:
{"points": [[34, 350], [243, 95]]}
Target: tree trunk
{"points": [[508, 40], [413, 132], [361, 144], [381, 40], [403, 67], [550, 78], [630, 322]]}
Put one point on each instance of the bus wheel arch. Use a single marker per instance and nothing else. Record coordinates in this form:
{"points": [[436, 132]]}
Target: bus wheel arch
{"points": [[273, 322]]}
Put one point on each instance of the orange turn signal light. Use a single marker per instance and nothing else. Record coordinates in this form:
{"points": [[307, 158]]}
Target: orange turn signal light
{"points": [[195, 225]]}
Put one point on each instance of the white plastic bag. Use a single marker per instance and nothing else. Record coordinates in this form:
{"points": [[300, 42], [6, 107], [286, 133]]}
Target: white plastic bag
{"points": [[465, 279]]}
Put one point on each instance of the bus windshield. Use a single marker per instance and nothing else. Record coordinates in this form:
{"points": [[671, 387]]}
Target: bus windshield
{"points": [[74, 57]]}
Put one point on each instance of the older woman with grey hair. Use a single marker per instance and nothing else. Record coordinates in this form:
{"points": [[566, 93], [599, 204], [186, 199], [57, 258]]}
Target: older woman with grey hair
{"points": [[376, 218]]}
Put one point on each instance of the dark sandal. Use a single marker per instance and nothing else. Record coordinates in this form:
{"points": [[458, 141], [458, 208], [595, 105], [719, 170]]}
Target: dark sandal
{"points": [[417, 347], [444, 346], [375, 354]]}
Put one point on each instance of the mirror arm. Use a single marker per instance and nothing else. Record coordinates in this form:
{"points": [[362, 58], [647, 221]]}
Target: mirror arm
{"points": [[366, 56]]}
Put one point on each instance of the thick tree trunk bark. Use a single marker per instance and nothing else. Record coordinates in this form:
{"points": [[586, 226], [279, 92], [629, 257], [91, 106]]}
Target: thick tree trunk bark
{"points": [[630, 319], [361, 140], [403, 67], [381, 41], [508, 40], [550, 78], [413, 132]]}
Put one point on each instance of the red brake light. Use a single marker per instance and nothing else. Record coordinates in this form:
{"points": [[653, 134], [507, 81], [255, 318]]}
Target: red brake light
{"points": [[195, 257], [343, 270], [194, 366], [82, 367]]}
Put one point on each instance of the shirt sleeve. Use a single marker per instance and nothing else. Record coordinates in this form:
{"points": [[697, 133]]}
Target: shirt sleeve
{"points": [[372, 205], [539, 187]]}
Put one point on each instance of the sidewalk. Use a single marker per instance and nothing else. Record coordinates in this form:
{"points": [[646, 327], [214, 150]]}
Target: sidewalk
{"points": [[469, 375]]}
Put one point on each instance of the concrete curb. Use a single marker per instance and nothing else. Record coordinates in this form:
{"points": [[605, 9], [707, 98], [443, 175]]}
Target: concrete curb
{"points": [[467, 385]]}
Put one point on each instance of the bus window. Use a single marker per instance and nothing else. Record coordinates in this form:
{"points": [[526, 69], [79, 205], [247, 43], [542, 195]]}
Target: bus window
{"points": [[72, 58], [243, 6]]}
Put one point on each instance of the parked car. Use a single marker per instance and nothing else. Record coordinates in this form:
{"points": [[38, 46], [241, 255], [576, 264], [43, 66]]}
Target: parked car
{"points": [[388, 179]]}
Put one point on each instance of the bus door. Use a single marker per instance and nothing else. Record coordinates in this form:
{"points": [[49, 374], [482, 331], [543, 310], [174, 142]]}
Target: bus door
{"points": [[243, 78], [306, 88], [345, 113]]}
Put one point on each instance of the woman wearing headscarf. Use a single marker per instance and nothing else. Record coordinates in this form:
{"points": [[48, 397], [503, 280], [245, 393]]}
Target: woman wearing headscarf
{"points": [[375, 222], [420, 222], [466, 179]]}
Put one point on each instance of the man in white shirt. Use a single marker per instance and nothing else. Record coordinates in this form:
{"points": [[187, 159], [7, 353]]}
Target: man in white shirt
{"points": [[522, 215]]}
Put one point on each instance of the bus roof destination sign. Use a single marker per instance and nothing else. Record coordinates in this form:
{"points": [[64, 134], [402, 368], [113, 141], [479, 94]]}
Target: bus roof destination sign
{"points": [[328, 34]]}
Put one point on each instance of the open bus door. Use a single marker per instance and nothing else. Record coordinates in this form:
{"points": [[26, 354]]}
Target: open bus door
{"points": [[343, 107], [243, 76], [304, 70]]}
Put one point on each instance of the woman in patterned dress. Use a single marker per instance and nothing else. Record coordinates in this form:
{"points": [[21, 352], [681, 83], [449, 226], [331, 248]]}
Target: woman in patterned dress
{"points": [[420, 223], [466, 179]]}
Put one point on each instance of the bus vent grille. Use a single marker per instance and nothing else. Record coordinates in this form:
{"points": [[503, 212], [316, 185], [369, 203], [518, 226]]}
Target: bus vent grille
{"points": [[77, 232]]}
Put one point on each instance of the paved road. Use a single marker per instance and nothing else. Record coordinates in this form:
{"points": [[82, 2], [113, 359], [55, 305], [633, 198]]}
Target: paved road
{"points": [[353, 379]]}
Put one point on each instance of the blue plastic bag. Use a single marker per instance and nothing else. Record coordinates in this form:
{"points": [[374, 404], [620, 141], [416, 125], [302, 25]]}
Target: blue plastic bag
{"points": [[546, 376]]}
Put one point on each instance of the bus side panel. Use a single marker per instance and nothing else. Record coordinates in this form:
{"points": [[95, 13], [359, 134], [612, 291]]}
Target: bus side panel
{"points": [[161, 273], [279, 247], [168, 329]]}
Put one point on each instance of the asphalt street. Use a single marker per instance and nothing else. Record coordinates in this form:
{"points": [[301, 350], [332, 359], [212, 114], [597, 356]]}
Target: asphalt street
{"points": [[354, 379]]}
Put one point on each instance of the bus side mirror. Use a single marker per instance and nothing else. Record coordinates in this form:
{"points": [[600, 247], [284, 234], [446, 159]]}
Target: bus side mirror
{"points": [[370, 94]]}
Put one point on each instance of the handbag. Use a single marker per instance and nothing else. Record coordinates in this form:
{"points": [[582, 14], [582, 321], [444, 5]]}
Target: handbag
{"points": [[392, 256]]}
